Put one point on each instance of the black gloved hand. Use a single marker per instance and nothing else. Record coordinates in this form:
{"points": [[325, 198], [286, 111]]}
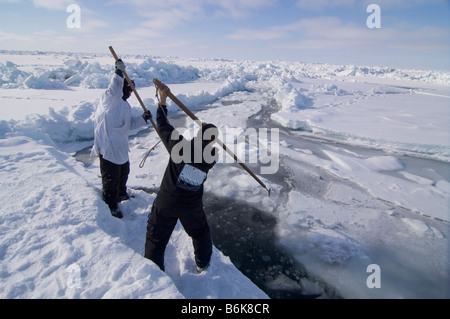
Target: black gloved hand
{"points": [[147, 116]]}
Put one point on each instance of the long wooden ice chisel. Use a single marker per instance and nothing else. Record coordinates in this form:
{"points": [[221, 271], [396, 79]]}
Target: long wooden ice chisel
{"points": [[134, 90], [161, 86]]}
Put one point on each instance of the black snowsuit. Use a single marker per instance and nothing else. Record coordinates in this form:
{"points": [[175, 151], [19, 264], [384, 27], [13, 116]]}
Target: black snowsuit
{"points": [[114, 182], [180, 198]]}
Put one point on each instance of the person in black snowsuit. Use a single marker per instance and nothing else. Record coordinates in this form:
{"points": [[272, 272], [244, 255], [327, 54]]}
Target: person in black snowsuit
{"points": [[181, 192]]}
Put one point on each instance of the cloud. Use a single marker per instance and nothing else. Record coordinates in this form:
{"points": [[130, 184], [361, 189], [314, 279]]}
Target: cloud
{"points": [[161, 16], [53, 4], [331, 33], [89, 24], [316, 27], [45, 33], [143, 33], [8, 36], [264, 34], [179, 11], [322, 5], [240, 8]]}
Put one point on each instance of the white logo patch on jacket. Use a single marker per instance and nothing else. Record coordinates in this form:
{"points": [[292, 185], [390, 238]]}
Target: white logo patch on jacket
{"points": [[191, 178]]}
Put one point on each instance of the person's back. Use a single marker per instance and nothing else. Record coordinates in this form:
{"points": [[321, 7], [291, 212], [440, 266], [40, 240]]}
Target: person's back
{"points": [[189, 163], [181, 193]]}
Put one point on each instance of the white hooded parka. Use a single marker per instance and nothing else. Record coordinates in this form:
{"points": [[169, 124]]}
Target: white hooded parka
{"points": [[113, 123]]}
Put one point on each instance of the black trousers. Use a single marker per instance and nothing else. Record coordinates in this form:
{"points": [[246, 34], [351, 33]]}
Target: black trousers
{"points": [[114, 181], [161, 222]]}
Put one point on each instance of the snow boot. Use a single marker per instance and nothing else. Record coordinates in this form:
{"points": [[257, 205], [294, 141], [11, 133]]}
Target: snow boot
{"points": [[116, 213], [202, 269]]}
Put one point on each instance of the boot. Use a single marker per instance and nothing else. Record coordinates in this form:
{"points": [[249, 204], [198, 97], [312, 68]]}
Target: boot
{"points": [[116, 213], [201, 269]]}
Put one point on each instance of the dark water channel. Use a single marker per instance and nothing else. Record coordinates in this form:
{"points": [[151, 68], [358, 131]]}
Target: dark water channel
{"points": [[248, 236]]}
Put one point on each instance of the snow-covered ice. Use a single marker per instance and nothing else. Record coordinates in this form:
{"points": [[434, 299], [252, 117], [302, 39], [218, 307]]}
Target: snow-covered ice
{"points": [[364, 177]]}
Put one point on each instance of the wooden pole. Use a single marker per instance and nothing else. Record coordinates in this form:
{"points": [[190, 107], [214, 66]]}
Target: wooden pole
{"points": [[134, 90], [161, 86]]}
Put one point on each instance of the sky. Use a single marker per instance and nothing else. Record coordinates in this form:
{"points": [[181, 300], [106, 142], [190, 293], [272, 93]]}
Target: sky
{"points": [[411, 33]]}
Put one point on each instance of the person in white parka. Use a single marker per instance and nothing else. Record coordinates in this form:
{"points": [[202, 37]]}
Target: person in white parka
{"points": [[113, 123]]}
